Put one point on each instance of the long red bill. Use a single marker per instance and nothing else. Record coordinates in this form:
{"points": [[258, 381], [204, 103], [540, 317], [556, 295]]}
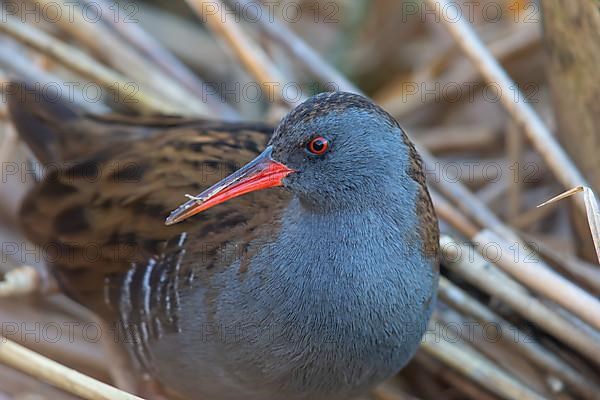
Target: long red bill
{"points": [[261, 173]]}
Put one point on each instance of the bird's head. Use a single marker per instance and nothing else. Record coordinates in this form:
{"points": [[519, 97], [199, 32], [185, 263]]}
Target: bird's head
{"points": [[336, 150]]}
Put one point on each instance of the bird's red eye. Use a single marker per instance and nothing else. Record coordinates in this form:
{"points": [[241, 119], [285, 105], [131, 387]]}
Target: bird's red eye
{"points": [[318, 145]]}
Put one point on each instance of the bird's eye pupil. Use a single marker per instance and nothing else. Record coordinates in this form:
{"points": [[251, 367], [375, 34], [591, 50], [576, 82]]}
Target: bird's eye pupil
{"points": [[318, 145]]}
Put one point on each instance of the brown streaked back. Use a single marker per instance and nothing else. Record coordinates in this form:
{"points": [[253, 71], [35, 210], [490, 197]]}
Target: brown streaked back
{"points": [[112, 180]]}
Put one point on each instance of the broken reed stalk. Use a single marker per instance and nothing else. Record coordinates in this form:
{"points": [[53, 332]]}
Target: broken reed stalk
{"points": [[591, 211], [463, 302], [517, 105], [250, 54], [542, 280], [475, 366], [67, 379], [295, 46], [470, 265], [137, 37], [74, 59]]}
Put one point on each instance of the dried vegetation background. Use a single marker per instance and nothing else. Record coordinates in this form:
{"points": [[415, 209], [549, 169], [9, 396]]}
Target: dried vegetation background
{"points": [[518, 314]]}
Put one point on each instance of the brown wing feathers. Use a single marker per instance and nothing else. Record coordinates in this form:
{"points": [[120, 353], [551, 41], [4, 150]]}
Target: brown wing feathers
{"points": [[114, 180]]}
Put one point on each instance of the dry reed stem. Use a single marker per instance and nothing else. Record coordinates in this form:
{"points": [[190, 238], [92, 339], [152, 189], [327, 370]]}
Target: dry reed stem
{"points": [[514, 148], [471, 205], [575, 322], [121, 373], [135, 35], [529, 217], [470, 265], [463, 302], [8, 143], [250, 54], [81, 63], [69, 380], [101, 39], [451, 215], [386, 391], [591, 210], [399, 103], [73, 350], [539, 278], [20, 281], [462, 197], [297, 47], [478, 368], [20, 66], [582, 271], [502, 356], [459, 138], [525, 116], [434, 368]]}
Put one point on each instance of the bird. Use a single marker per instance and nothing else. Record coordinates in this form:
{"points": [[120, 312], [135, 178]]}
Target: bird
{"points": [[237, 259]]}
